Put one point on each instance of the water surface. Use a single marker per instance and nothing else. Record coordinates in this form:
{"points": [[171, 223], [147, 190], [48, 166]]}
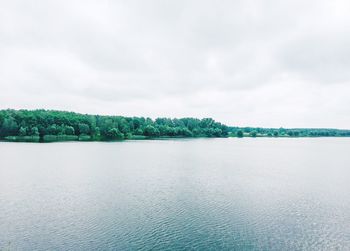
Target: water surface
{"points": [[199, 194]]}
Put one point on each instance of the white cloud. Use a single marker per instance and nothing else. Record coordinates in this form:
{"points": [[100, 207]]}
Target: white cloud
{"points": [[263, 63]]}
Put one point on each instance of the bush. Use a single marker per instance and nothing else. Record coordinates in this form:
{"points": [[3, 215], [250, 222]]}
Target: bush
{"points": [[240, 134]]}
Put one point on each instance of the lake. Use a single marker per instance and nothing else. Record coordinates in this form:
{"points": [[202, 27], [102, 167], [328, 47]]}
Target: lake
{"points": [[195, 194]]}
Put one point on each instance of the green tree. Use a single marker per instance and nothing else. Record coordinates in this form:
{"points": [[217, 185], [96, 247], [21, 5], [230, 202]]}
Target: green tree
{"points": [[9, 127], [34, 131], [240, 134], [84, 128], [151, 131], [253, 134], [69, 130], [52, 130], [99, 127], [114, 134], [22, 131]]}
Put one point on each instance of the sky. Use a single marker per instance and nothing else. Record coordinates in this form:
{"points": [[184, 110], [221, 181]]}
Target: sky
{"points": [[243, 63]]}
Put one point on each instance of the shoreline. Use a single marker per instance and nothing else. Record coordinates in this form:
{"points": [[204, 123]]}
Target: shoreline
{"points": [[162, 138]]}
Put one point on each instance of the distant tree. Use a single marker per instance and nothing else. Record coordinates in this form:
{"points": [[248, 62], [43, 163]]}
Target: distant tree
{"points": [[275, 133], [52, 130], [187, 133], [84, 128], [97, 132], [138, 131], [34, 131], [151, 131], [42, 123], [115, 134], [253, 134], [60, 129], [9, 127], [239, 133], [2, 117], [22, 131], [69, 130], [124, 127]]}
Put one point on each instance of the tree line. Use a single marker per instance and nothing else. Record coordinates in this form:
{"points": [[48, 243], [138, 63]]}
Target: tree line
{"points": [[50, 125], [283, 132]]}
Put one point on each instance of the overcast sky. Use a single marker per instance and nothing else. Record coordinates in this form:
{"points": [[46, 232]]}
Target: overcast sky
{"points": [[258, 63]]}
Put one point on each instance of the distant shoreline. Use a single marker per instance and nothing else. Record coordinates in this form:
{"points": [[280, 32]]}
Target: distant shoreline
{"points": [[162, 138], [60, 126]]}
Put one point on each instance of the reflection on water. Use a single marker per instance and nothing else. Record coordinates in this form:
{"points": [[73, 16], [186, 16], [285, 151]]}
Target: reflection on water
{"points": [[202, 194]]}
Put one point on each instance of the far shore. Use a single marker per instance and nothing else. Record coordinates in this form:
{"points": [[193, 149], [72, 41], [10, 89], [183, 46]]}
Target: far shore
{"points": [[59, 138]]}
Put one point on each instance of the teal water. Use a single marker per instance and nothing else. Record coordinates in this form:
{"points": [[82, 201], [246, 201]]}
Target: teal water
{"points": [[199, 194]]}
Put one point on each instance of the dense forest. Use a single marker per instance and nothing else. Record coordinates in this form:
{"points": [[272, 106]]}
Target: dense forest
{"points": [[283, 132], [48, 125]]}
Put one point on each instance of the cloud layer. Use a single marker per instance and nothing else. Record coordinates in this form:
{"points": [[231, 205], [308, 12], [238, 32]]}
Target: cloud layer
{"points": [[260, 63]]}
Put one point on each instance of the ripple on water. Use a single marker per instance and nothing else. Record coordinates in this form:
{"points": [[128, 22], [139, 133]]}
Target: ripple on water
{"points": [[191, 195]]}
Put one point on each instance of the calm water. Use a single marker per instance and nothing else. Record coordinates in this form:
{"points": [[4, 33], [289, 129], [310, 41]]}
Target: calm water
{"points": [[204, 194]]}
